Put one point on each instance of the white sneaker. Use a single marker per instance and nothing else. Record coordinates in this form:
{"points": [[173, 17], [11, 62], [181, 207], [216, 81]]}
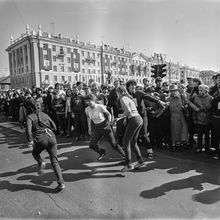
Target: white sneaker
{"points": [[61, 186], [127, 168], [139, 165]]}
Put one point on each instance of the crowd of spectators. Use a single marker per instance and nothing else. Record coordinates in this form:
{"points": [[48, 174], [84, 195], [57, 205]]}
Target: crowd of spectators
{"points": [[184, 114]]}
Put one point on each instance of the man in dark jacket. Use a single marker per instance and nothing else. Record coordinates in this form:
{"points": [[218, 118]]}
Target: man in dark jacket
{"points": [[41, 137], [139, 98]]}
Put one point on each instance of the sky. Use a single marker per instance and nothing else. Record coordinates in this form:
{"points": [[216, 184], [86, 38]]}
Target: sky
{"points": [[186, 31]]}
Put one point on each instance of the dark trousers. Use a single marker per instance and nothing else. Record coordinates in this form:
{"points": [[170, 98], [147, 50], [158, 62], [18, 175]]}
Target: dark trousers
{"points": [[53, 116], [62, 122], [69, 122], [203, 130], [80, 124], [100, 130], [50, 144], [216, 129], [130, 138], [120, 130], [155, 132]]}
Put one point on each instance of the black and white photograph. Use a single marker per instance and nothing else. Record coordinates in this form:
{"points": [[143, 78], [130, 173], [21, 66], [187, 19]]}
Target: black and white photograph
{"points": [[109, 109]]}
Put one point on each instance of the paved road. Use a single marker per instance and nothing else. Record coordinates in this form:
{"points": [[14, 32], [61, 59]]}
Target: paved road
{"points": [[173, 185]]}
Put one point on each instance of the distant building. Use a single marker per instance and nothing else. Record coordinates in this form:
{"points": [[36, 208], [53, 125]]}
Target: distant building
{"points": [[173, 72], [206, 76], [5, 83], [42, 59], [186, 71]]}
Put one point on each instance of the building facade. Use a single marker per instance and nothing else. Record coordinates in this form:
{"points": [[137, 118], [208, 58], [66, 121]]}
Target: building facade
{"points": [[41, 59], [5, 83], [186, 71], [206, 76]]}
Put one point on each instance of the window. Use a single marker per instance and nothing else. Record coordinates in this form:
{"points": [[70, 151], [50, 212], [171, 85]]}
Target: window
{"points": [[55, 68], [98, 63], [110, 57], [94, 71], [62, 78], [62, 68], [54, 58], [55, 78], [68, 50], [46, 77], [93, 55], [26, 69], [45, 46], [83, 70], [98, 71], [89, 71], [54, 48], [82, 53], [69, 69], [88, 54], [98, 55], [69, 78], [61, 59], [83, 62], [45, 57], [68, 59]]}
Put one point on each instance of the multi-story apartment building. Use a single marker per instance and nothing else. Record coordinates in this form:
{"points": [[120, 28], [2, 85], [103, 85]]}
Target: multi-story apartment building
{"points": [[186, 71], [173, 72], [42, 59], [206, 76]]}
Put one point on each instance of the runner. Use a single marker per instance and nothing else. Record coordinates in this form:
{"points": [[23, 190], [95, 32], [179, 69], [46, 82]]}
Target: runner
{"points": [[100, 122], [41, 137]]}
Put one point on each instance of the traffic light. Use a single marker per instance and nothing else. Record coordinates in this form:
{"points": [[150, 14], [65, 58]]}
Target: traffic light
{"points": [[154, 70], [161, 70]]}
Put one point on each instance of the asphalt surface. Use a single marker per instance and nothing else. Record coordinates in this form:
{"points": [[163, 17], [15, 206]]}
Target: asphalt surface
{"points": [[173, 185]]}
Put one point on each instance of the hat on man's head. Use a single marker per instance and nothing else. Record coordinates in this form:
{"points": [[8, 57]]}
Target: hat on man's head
{"points": [[173, 87], [204, 87]]}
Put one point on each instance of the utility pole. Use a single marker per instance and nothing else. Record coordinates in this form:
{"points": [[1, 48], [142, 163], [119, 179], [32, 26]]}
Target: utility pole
{"points": [[102, 63]]}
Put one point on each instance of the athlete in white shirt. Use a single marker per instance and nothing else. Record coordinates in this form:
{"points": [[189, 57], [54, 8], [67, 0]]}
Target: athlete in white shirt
{"points": [[101, 126]]}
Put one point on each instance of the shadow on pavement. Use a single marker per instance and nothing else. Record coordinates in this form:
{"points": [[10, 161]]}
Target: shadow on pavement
{"points": [[5, 184], [194, 182], [208, 197], [78, 161]]}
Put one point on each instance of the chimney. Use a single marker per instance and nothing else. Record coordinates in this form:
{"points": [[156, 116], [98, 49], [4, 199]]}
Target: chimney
{"points": [[60, 36], [27, 29], [39, 30], [77, 39], [11, 39], [33, 32]]}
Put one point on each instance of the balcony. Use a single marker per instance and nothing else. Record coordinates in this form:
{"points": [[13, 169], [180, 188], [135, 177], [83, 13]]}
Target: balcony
{"points": [[90, 60]]}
